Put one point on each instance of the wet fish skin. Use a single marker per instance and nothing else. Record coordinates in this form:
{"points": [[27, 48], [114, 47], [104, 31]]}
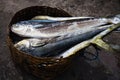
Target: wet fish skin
{"points": [[28, 26], [61, 28], [51, 48], [65, 44], [97, 40], [34, 22], [25, 28], [58, 18], [32, 43], [23, 25]]}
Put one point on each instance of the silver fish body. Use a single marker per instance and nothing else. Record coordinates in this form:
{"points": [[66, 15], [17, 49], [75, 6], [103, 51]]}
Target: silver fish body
{"points": [[53, 47], [38, 28], [97, 40], [58, 18], [59, 28]]}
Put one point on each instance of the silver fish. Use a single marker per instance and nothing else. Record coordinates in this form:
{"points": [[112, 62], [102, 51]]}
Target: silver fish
{"points": [[29, 26], [60, 28], [33, 43], [54, 46], [58, 18], [116, 47], [50, 19], [97, 40]]}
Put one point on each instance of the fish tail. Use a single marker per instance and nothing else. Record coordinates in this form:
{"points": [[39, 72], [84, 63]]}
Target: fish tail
{"points": [[115, 19]]}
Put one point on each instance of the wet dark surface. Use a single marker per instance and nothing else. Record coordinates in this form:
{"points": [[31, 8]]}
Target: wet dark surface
{"points": [[105, 67]]}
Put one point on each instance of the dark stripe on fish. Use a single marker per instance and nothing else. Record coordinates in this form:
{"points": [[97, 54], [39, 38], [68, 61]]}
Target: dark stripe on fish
{"points": [[36, 21]]}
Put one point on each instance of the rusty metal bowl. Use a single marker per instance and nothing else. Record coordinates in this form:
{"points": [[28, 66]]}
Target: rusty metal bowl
{"points": [[42, 67]]}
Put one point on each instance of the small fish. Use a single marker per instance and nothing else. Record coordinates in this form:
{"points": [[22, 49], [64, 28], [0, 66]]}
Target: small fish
{"points": [[54, 46], [60, 28]]}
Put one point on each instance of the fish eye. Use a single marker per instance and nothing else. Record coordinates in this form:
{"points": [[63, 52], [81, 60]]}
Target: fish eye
{"points": [[18, 27], [15, 26]]}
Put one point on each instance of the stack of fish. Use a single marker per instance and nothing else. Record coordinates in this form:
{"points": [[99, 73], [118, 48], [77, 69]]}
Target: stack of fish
{"points": [[54, 36]]}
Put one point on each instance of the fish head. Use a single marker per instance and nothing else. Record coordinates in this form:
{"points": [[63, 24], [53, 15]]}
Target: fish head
{"points": [[20, 29], [115, 19], [22, 44]]}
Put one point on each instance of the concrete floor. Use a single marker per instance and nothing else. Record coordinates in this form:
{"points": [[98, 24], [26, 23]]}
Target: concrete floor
{"points": [[106, 67]]}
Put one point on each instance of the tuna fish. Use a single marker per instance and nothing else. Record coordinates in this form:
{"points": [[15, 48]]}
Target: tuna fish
{"points": [[59, 28]]}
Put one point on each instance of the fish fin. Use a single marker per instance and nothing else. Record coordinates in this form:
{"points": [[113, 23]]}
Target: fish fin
{"points": [[38, 45], [42, 17], [58, 18], [98, 39], [102, 44], [75, 49]]}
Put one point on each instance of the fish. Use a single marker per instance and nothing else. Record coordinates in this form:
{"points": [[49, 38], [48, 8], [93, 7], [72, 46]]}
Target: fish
{"points": [[96, 40], [65, 28], [30, 25], [58, 18], [53, 46], [49, 18]]}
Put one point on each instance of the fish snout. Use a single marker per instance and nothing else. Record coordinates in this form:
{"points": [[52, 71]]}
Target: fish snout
{"points": [[18, 29]]}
